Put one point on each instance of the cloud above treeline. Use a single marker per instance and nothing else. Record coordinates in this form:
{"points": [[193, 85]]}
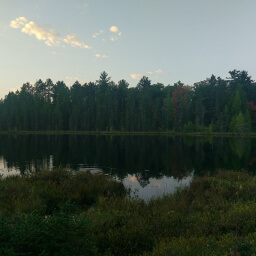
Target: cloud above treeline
{"points": [[49, 36], [158, 71], [53, 38], [136, 76], [139, 76]]}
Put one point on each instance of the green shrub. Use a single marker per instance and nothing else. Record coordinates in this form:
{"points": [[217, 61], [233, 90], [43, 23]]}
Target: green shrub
{"points": [[59, 234]]}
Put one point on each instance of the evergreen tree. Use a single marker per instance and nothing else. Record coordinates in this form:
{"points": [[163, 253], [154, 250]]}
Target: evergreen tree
{"points": [[213, 104]]}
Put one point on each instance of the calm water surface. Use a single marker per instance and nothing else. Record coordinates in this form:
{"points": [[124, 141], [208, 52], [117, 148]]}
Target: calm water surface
{"points": [[150, 165]]}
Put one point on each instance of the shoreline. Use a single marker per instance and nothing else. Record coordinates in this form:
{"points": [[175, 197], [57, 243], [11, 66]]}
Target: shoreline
{"points": [[131, 133]]}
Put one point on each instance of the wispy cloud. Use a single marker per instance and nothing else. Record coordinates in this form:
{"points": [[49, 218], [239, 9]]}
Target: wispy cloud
{"points": [[159, 71], [116, 34], [113, 38], [19, 22], [136, 76], [49, 36], [71, 77], [95, 35], [100, 56], [73, 41], [113, 31]]}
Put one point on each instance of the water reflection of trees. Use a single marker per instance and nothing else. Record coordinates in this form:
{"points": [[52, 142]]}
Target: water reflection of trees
{"points": [[146, 156]]}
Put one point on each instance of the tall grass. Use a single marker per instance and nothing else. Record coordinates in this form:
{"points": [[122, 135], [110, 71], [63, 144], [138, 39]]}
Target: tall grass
{"points": [[44, 192]]}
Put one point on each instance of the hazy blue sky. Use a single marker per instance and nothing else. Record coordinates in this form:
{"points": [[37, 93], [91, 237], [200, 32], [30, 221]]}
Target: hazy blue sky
{"points": [[167, 40]]}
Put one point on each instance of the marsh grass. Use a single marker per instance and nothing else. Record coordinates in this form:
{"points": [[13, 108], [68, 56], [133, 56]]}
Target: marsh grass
{"points": [[87, 214], [44, 192]]}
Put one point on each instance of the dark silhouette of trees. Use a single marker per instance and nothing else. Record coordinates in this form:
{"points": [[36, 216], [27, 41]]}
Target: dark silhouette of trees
{"points": [[212, 105]]}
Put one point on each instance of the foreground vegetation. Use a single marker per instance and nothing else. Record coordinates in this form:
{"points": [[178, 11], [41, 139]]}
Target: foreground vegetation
{"points": [[65, 213]]}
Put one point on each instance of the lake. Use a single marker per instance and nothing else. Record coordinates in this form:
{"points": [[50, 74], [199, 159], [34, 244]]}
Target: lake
{"points": [[150, 166]]}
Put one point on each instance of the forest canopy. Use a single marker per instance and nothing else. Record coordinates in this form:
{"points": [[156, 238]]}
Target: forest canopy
{"points": [[211, 105]]}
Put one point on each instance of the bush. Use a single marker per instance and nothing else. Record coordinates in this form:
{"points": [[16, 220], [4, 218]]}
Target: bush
{"points": [[59, 234]]}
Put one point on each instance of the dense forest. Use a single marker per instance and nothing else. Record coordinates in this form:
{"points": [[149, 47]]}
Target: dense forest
{"points": [[212, 105]]}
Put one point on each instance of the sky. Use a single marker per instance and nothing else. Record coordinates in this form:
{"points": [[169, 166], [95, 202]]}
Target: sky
{"points": [[166, 40]]}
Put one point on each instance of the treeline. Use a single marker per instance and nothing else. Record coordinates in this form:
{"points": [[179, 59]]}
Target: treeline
{"points": [[212, 105]]}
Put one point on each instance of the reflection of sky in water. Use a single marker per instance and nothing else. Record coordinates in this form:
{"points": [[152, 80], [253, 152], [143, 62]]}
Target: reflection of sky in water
{"points": [[155, 187], [144, 189], [151, 188], [150, 165], [4, 171]]}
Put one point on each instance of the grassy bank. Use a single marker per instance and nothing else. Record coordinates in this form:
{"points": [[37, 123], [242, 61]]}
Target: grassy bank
{"points": [[62, 213]]}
